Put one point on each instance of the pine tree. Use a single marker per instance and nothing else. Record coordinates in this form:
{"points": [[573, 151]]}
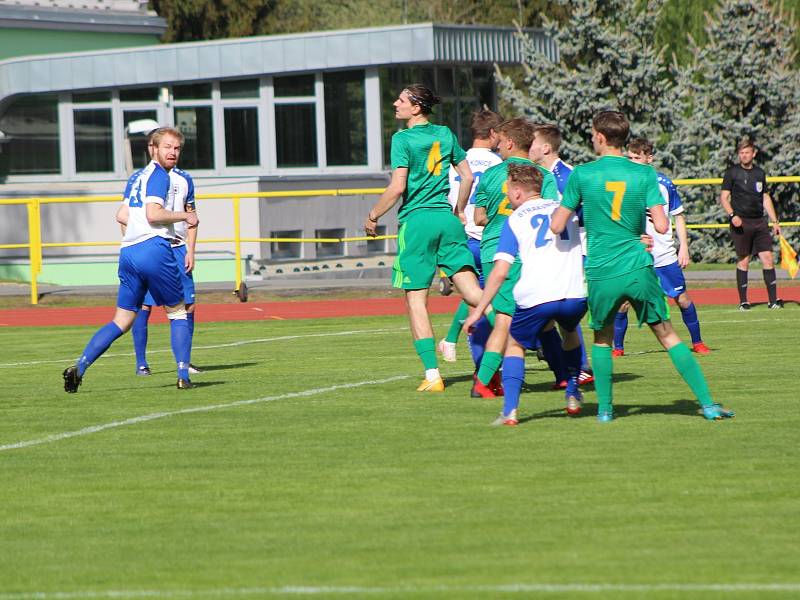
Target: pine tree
{"points": [[741, 83], [608, 59]]}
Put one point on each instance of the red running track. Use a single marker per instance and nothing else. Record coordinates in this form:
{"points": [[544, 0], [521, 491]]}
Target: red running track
{"points": [[316, 309]]}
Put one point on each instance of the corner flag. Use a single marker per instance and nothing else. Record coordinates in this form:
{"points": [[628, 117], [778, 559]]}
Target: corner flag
{"points": [[788, 258]]}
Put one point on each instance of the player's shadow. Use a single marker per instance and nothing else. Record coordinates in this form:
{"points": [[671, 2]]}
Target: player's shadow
{"points": [[226, 367], [199, 384], [678, 407]]}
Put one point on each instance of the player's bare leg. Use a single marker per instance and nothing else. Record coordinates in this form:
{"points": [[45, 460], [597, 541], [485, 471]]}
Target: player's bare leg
{"points": [[422, 334]]}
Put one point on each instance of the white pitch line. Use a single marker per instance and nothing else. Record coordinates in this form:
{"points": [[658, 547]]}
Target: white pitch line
{"points": [[514, 588], [282, 338], [57, 437]]}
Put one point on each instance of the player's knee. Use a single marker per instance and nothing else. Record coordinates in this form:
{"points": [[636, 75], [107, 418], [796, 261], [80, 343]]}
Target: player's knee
{"points": [[176, 312], [190, 308]]}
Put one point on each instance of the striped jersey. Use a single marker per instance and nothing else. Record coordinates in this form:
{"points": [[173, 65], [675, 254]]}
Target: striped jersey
{"points": [[615, 194], [427, 151]]}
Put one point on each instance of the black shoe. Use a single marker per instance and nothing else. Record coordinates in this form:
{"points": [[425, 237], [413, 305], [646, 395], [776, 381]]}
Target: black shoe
{"points": [[184, 384], [71, 380], [194, 370], [777, 304], [744, 306], [143, 371]]}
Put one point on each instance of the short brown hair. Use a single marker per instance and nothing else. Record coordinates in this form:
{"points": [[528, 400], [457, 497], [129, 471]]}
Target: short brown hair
{"points": [[483, 121], [518, 130], [641, 145], [550, 134], [745, 143], [614, 127], [528, 177], [154, 138]]}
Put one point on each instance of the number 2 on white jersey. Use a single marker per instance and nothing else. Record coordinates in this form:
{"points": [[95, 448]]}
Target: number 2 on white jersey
{"points": [[618, 187]]}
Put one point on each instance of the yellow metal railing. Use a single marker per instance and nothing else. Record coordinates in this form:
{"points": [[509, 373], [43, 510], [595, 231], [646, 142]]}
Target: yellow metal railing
{"points": [[35, 243]]}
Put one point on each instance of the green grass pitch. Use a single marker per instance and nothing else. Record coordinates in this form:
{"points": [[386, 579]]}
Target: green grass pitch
{"points": [[327, 485]]}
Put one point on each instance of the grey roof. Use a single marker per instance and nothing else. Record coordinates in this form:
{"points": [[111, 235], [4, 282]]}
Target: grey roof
{"points": [[106, 17], [148, 65]]}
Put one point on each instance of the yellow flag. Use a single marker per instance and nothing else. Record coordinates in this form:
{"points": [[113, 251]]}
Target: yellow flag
{"points": [[789, 258]]}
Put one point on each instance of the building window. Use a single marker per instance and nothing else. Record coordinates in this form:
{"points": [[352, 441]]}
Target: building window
{"points": [[296, 135], [30, 146], [140, 157], [377, 246], [192, 91], [295, 86], [196, 125], [345, 118], [329, 249], [241, 137], [240, 88], [94, 148], [285, 250], [139, 95]]}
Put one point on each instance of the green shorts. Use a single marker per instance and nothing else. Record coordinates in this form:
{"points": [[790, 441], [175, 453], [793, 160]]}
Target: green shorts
{"points": [[429, 240], [504, 300], [641, 288]]}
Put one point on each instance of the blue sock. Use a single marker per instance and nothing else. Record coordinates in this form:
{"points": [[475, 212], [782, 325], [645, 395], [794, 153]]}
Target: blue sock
{"points": [[190, 320], [513, 376], [553, 354], [620, 327], [477, 340], [181, 345], [572, 361], [584, 359], [139, 333], [692, 323], [99, 343]]}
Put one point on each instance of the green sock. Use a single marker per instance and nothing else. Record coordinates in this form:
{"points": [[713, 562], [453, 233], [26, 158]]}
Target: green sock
{"points": [[426, 349], [603, 366], [458, 321], [489, 364], [690, 370]]}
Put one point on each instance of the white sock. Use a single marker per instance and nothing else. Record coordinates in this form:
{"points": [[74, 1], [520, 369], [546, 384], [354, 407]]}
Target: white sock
{"points": [[432, 374]]}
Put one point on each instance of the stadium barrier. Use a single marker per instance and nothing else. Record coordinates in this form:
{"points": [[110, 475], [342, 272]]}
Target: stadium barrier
{"points": [[35, 244]]}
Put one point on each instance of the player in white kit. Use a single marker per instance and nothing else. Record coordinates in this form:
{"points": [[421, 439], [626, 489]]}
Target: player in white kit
{"points": [[480, 157], [550, 288]]}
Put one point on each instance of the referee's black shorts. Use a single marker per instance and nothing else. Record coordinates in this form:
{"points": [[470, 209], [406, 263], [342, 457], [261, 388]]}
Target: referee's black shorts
{"points": [[752, 237]]}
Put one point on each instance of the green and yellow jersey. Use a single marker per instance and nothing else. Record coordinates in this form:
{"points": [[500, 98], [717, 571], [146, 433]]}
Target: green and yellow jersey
{"points": [[492, 195], [427, 151], [616, 193]]}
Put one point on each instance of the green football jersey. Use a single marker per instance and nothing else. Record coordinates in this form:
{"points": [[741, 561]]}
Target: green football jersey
{"points": [[492, 195], [616, 193], [427, 151]]}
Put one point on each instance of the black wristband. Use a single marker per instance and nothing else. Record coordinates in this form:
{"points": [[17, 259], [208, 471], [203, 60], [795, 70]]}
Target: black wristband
{"points": [[371, 219]]}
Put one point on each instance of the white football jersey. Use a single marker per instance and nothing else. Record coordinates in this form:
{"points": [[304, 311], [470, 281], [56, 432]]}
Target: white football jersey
{"points": [[664, 252], [181, 198], [552, 265], [479, 159], [145, 186]]}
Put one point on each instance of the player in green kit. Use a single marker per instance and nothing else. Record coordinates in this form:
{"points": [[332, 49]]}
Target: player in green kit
{"points": [[492, 209], [431, 236], [616, 195]]}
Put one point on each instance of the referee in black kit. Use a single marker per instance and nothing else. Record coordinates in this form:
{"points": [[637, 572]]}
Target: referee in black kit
{"points": [[745, 199]]}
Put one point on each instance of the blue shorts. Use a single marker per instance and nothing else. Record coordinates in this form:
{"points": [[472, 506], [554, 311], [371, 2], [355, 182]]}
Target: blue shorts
{"points": [[672, 280], [475, 247], [528, 322], [148, 265], [186, 279]]}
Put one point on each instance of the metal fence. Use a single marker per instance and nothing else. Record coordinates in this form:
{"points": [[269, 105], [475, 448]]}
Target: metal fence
{"points": [[35, 243]]}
